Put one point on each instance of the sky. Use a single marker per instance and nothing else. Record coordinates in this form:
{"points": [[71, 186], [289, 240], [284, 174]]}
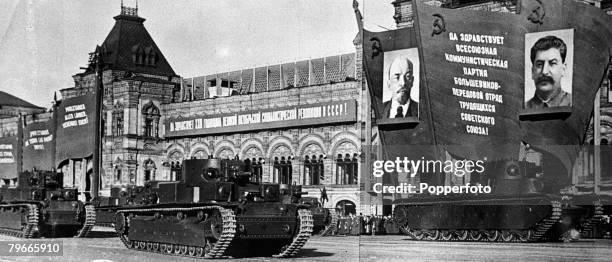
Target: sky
{"points": [[43, 43]]}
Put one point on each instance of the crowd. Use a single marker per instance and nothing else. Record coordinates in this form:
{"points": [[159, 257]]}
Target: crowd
{"points": [[366, 225]]}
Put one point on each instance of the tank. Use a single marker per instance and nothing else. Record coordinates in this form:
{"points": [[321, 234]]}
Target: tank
{"points": [[524, 206], [40, 207], [325, 219], [214, 211], [122, 196]]}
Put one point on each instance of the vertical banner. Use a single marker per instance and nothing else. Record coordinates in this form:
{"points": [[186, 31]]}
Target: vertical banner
{"points": [[39, 145], [75, 128], [473, 70], [9, 157]]}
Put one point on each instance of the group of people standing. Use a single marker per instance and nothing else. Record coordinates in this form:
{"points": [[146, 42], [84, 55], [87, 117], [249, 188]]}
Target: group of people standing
{"points": [[366, 225]]}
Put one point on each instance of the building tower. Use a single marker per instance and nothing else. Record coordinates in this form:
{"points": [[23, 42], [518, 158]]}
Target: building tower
{"points": [[137, 79]]}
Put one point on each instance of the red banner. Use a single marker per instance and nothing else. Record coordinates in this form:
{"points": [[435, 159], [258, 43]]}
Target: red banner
{"points": [[75, 128], [39, 145], [9, 157]]}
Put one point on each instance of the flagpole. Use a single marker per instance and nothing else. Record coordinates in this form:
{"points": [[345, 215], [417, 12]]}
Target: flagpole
{"points": [[98, 90]]}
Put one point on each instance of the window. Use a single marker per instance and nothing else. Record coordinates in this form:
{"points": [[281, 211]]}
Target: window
{"points": [[313, 170], [118, 116], [151, 120], [117, 174], [282, 171], [175, 171], [256, 169], [346, 170], [149, 174]]}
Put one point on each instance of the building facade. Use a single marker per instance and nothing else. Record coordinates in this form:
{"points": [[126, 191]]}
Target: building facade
{"points": [[296, 123]]}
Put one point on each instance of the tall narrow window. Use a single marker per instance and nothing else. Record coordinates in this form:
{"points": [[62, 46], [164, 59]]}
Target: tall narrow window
{"points": [[118, 117], [117, 174], [313, 170], [256, 170], [151, 120], [149, 172], [346, 170], [282, 170]]}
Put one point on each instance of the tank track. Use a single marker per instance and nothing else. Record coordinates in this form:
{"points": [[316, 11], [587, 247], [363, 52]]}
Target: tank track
{"points": [[516, 236], [30, 230], [332, 227], [216, 251], [590, 224], [306, 225], [90, 221]]}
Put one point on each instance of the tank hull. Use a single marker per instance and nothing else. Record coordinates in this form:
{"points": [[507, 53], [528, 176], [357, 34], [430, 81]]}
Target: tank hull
{"points": [[215, 231], [527, 218]]}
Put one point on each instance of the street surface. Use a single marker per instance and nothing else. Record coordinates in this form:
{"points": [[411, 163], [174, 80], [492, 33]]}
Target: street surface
{"points": [[103, 246]]}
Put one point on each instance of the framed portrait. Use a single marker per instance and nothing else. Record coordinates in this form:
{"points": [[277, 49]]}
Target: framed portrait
{"points": [[401, 84], [549, 58]]}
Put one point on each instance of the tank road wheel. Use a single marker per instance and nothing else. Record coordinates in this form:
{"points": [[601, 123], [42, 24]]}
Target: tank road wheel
{"points": [[475, 235], [142, 245], [492, 235], [432, 235], [183, 250], [507, 236], [162, 248], [208, 247], [216, 225], [199, 252], [446, 235], [177, 249], [149, 246], [169, 248], [155, 246], [462, 235], [525, 235], [418, 234], [191, 251]]}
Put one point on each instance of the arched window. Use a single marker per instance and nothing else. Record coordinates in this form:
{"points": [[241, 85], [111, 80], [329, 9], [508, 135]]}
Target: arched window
{"points": [[150, 115], [256, 169], [282, 170], [149, 170], [346, 207], [346, 170], [313, 170]]}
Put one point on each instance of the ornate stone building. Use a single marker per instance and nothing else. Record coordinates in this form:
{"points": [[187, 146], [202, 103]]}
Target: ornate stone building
{"points": [[137, 80], [297, 123]]}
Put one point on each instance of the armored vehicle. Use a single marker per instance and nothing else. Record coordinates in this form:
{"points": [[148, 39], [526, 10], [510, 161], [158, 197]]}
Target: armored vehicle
{"points": [[40, 207], [214, 211], [121, 196], [523, 207], [325, 219]]}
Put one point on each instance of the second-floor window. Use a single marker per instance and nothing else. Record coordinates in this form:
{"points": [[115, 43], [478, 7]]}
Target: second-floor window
{"points": [[118, 118], [151, 120], [313, 170], [282, 170], [346, 170]]}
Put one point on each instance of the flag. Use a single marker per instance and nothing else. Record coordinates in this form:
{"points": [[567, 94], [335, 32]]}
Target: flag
{"points": [[9, 157], [75, 128], [39, 143]]}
